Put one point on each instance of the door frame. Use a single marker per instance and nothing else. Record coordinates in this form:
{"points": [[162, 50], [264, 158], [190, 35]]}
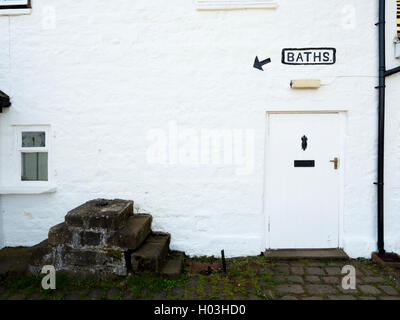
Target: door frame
{"points": [[342, 131]]}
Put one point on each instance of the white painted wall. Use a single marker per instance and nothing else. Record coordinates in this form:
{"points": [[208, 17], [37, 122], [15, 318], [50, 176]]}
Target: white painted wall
{"points": [[106, 75]]}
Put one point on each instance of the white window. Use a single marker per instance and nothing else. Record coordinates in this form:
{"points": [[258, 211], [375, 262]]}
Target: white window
{"points": [[234, 4], [33, 146], [14, 3], [15, 7]]}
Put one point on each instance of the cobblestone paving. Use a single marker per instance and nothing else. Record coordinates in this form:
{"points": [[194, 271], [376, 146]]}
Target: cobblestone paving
{"points": [[248, 279]]}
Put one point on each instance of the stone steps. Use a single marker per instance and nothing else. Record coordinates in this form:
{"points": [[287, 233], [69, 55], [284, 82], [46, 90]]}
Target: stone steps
{"points": [[150, 257], [173, 266], [132, 235], [104, 238]]}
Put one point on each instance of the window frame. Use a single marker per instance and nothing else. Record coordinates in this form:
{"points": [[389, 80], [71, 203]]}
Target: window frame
{"points": [[27, 5], [19, 150], [15, 9]]}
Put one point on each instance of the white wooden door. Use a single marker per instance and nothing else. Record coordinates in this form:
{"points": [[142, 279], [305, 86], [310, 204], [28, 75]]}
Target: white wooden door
{"points": [[303, 186]]}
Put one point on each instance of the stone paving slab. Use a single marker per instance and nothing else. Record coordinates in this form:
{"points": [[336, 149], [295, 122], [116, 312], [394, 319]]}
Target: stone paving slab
{"points": [[389, 290], [288, 298], [289, 288], [295, 279], [297, 270], [333, 271], [320, 289], [371, 290], [95, 293], [342, 298], [331, 280], [389, 298], [315, 271], [373, 280], [312, 298], [312, 279]]}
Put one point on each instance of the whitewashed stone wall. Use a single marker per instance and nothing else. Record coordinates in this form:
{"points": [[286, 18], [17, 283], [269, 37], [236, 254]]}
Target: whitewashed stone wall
{"points": [[108, 76]]}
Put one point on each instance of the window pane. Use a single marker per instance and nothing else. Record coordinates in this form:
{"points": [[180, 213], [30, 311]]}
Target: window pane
{"points": [[34, 166], [33, 139]]}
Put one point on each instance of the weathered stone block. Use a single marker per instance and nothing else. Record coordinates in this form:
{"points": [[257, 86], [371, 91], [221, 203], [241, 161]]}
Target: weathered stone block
{"points": [[42, 254], [151, 255], [88, 257], [89, 273], [90, 238], [14, 262], [100, 213], [133, 233], [87, 263], [60, 234]]}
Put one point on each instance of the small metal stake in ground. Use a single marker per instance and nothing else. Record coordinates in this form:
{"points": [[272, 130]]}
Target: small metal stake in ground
{"points": [[223, 261]]}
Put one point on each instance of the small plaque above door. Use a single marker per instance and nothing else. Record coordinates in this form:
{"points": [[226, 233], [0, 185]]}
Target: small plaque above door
{"points": [[304, 163]]}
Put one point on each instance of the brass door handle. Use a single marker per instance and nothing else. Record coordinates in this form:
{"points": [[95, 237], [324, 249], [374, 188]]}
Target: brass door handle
{"points": [[335, 162]]}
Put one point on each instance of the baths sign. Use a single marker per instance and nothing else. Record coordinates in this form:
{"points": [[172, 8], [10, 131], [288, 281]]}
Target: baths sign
{"points": [[309, 56]]}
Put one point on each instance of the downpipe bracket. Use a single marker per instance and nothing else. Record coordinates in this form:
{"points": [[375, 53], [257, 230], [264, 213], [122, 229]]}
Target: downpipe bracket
{"points": [[392, 71]]}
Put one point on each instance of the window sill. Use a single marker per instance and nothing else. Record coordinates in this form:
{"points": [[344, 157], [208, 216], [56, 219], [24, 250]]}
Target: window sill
{"points": [[27, 189], [14, 12], [231, 5]]}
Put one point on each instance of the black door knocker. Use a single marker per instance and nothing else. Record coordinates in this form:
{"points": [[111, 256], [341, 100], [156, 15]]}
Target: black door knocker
{"points": [[304, 144]]}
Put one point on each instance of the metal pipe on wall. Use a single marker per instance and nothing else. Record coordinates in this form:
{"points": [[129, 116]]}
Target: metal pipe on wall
{"points": [[383, 73], [381, 125]]}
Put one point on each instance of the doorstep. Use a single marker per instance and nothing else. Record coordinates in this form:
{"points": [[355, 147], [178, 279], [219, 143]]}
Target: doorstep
{"points": [[390, 260], [294, 254]]}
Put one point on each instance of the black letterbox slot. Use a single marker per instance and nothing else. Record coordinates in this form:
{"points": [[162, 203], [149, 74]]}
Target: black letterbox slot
{"points": [[304, 163]]}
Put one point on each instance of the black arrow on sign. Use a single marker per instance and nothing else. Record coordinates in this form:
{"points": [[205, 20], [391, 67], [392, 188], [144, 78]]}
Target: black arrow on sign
{"points": [[259, 64]]}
